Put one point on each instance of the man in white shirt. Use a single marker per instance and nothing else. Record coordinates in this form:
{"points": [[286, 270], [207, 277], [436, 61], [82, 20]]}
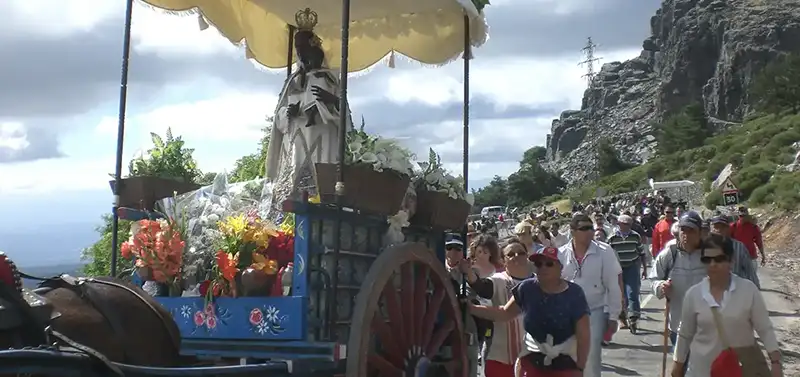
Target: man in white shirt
{"points": [[595, 268]]}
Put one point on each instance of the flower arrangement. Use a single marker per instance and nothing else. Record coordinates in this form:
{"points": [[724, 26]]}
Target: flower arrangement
{"points": [[381, 153], [247, 242], [157, 245], [435, 178]]}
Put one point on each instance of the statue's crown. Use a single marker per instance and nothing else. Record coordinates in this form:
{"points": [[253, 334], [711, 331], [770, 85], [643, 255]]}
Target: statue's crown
{"points": [[306, 19]]}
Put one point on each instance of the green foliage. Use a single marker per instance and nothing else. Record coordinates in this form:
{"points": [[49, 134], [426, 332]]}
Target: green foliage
{"points": [[529, 184], [167, 159], [777, 87], [252, 166], [755, 149], [608, 161], [493, 194], [98, 256], [686, 130]]}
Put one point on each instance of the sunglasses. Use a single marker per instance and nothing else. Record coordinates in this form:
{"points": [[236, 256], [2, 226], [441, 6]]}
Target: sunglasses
{"points": [[669, 213], [717, 259], [539, 263], [450, 248], [585, 228]]}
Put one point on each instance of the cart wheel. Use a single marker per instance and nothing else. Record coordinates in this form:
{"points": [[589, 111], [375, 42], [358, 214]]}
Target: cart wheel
{"points": [[405, 312]]}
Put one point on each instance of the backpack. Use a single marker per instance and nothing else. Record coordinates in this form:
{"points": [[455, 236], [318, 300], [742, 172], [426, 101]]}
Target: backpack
{"points": [[673, 251]]}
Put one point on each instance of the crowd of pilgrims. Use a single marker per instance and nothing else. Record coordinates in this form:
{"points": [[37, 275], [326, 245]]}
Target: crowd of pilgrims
{"points": [[545, 302]]}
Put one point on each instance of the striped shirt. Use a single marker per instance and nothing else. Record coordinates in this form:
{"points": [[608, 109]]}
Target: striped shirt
{"points": [[628, 247]]}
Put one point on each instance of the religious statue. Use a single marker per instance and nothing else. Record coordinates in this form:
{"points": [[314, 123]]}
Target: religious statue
{"points": [[306, 125]]}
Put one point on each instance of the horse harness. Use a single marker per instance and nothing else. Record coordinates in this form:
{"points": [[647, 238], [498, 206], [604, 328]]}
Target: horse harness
{"points": [[84, 288], [31, 306]]}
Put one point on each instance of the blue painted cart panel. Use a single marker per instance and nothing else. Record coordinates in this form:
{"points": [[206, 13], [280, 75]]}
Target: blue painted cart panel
{"points": [[253, 318]]}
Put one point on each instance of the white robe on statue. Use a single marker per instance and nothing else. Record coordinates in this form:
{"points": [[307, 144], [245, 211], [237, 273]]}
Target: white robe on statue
{"points": [[295, 148]]}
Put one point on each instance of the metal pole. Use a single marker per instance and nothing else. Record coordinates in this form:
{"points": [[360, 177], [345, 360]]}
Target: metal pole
{"points": [[123, 99], [343, 117], [465, 172], [289, 51]]}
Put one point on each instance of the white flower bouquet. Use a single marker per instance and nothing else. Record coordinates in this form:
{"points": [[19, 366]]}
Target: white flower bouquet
{"points": [[381, 153], [435, 178], [442, 201]]}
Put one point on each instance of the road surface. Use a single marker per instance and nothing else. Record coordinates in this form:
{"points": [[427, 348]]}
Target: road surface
{"points": [[641, 354]]}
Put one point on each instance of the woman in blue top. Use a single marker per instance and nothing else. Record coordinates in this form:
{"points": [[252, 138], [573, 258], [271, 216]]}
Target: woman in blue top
{"points": [[555, 317]]}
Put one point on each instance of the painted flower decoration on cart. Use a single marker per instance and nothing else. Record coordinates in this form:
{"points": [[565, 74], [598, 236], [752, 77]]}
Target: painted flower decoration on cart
{"points": [[381, 153], [434, 177]]}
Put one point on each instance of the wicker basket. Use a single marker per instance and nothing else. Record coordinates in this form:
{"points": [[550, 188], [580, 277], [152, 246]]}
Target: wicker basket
{"points": [[374, 192], [438, 210], [143, 192]]}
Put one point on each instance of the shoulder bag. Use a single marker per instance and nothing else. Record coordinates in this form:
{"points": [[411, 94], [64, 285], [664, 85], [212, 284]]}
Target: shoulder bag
{"points": [[746, 361]]}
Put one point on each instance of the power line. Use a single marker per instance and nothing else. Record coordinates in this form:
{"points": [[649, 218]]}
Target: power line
{"points": [[588, 52]]}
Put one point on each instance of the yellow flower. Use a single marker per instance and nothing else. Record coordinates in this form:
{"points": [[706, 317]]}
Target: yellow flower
{"points": [[259, 235], [233, 225], [260, 262]]}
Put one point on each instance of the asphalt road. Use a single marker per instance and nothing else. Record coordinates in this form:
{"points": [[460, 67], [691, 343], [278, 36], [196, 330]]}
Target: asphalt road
{"points": [[642, 354]]}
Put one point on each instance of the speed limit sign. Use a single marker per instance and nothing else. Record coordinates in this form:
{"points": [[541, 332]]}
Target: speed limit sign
{"points": [[730, 198]]}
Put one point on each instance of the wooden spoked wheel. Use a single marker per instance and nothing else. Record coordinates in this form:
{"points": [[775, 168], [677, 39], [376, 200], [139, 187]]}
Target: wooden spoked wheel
{"points": [[405, 314]]}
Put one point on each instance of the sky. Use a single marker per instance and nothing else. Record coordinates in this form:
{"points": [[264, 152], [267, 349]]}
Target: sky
{"points": [[59, 88]]}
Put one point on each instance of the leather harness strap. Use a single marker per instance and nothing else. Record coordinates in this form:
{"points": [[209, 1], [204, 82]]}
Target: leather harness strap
{"points": [[83, 287]]}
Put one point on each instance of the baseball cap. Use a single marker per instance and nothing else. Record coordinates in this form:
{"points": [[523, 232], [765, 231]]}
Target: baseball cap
{"points": [[550, 253], [720, 219], [691, 220], [647, 211], [453, 240], [625, 219]]}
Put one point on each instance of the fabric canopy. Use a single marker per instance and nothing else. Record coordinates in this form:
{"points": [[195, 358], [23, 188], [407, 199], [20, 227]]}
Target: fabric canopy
{"points": [[428, 31]]}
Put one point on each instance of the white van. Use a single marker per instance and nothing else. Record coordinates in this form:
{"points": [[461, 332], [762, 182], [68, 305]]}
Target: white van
{"points": [[493, 211]]}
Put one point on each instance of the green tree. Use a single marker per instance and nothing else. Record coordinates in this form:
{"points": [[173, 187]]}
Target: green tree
{"points": [[535, 154], [167, 159], [531, 183], [687, 129], [252, 166], [493, 194], [777, 87], [608, 160]]}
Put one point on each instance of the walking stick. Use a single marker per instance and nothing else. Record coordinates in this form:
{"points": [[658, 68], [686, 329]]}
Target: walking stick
{"points": [[666, 341]]}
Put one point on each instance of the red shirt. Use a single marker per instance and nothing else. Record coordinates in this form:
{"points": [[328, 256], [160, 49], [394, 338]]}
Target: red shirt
{"points": [[749, 234], [662, 233]]}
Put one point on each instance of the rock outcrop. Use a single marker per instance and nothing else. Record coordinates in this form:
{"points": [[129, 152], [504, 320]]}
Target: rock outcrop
{"points": [[705, 51]]}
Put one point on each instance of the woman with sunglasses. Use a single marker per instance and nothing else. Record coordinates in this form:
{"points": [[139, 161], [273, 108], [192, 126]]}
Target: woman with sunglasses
{"points": [[507, 342], [555, 317], [740, 309]]}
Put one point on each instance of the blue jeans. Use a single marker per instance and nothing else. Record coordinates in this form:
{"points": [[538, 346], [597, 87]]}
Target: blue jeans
{"points": [[632, 280], [598, 321]]}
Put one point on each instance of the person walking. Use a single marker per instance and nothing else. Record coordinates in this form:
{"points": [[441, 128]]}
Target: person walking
{"points": [[649, 221], [678, 268], [748, 232], [741, 263], [661, 232], [507, 337], [594, 267], [555, 317], [474, 327], [629, 247], [722, 312]]}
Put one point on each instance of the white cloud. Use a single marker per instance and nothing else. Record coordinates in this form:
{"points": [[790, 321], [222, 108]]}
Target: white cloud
{"points": [[54, 175], [232, 115], [13, 136], [157, 31], [56, 18]]}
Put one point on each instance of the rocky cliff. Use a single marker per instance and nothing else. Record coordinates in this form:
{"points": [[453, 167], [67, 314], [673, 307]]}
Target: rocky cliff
{"points": [[699, 51]]}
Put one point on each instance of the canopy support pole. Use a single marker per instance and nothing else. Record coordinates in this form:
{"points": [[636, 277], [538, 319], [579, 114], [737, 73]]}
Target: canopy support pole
{"points": [[123, 101], [344, 111], [465, 167], [289, 50]]}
